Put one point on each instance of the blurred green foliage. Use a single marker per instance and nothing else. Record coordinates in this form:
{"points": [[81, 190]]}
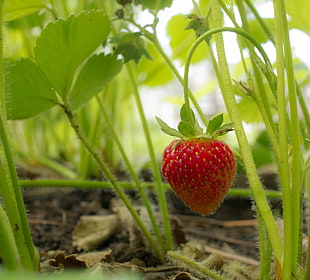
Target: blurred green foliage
{"points": [[36, 35]]}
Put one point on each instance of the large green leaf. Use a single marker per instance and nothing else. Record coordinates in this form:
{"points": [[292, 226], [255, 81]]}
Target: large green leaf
{"points": [[28, 92], [95, 74], [14, 9], [181, 40], [299, 14], [65, 44]]}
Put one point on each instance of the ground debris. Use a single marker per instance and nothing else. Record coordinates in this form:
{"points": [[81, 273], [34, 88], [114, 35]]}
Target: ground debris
{"points": [[92, 231]]}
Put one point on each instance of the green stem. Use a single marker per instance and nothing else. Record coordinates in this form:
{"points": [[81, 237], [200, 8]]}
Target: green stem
{"points": [[284, 170], [306, 182], [156, 171], [125, 185], [14, 205], [265, 250], [194, 266], [259, 94], [295, 135], [231, 105], [8, 250], [295, 138], [119, 191], [133, 174], [304, 110], [84, 118]]}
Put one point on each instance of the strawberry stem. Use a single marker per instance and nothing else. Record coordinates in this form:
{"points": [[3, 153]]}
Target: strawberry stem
{"points": [[84, 140], [156, 171], [180, 258], [231, 105], [132, 173], [290, 185]]}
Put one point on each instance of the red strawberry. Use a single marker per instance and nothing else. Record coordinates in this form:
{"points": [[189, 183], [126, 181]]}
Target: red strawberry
{"points": [[200, 171], [199, 167]]}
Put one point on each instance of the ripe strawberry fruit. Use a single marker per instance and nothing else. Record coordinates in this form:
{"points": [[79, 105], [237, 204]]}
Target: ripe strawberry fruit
{"points": [[200, 171], [199, 167]]}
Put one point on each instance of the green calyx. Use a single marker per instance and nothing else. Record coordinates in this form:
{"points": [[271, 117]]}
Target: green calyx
{"points": [[189, 128]]}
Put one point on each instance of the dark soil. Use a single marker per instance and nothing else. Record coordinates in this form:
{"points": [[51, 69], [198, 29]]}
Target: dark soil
{"points": [[53, 214]]}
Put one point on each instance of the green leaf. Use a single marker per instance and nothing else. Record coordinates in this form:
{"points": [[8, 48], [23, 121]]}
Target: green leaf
{"points": [[185, 116], [167, 129], [186, 129], [199, 25], [191, 120], [156, 4], [181, 40], [225, 128], [95, 74], [131, 46], [28, 92], [299, 14], [214, 124], [14, 9], [65, 44]]}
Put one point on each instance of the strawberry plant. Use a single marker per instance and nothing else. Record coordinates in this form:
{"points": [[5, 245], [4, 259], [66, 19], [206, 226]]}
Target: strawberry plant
{"points": [[85, 66]]}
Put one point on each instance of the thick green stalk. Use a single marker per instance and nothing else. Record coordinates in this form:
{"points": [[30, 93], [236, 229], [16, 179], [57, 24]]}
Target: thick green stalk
{"points": [[8, 250], [295, 136], [284, 170], [156, 171], [133, 174], [231, 105], [119, 191]]}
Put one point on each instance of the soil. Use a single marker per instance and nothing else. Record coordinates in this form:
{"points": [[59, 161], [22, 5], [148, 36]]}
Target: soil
{"points": [[230, 232]]}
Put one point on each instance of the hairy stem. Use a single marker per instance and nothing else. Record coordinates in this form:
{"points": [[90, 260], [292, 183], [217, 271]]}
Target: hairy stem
{"points": [[156, 171], [231, 105], [125, 185], [119, 191], [132, 173], [8, 249], [180, 258]]}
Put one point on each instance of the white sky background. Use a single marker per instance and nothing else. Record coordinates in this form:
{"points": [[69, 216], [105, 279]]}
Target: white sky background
{"points": [[153, 98]]}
